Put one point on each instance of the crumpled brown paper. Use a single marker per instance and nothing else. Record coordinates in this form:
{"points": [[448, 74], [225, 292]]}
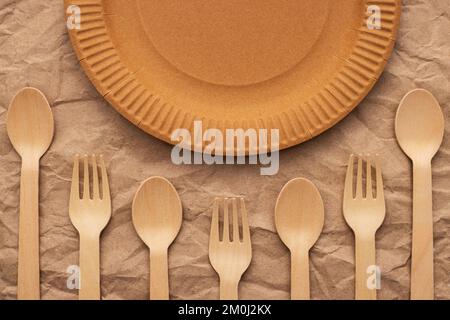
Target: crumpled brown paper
{"points": [[35, 51]]}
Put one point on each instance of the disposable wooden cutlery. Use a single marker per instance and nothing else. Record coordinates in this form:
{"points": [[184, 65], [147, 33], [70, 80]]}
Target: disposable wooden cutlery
{"points": [[364, 213], [90, 213], [30, 128], [157, 216], [230, 254], [299, 219], [419, 127]]}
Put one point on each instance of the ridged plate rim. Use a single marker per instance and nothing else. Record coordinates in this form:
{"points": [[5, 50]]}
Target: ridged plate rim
{"points": [[335, 101]]}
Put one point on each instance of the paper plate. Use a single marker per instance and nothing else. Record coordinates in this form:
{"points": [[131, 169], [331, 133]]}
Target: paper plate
{"points": [[296, 66]]}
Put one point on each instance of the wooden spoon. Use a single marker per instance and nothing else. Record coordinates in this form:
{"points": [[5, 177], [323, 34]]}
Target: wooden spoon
{"points": [[299, 219], [157, 216], [30, 128], [419, 127]]}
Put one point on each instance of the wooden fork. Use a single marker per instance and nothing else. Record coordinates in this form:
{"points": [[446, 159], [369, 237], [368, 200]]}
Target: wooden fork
{"points": [[90, 213], [364, 214], [230, 257]]}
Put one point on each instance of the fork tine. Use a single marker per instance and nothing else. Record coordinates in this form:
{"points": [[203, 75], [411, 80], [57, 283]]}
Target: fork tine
{"points": [[235, 220], [245, 226], [86, 193], [226, 222], [359, 179], [369, 194], [105, 183], [75, 188], [348, 190], [214, 237], [380, 189], [95, 181]]}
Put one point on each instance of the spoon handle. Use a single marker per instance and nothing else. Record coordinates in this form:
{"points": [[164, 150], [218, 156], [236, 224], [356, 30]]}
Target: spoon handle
{"points": [[159, 275], [89, 267], [300, 275], [364, 260], [28, 264], [422, 280]]}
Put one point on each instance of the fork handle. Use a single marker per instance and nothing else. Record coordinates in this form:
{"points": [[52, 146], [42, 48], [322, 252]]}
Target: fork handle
{"points": [[422, 280], [229, 289], [89, 267], [159, 275], [28, 264], [365, 278]]}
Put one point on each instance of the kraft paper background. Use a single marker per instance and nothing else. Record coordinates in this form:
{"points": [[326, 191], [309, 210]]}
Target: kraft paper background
{"points": [[35, 51]]}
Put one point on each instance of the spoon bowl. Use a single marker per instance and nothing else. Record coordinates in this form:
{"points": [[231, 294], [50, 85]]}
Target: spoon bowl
{"points": [[419, 125], [30, 123], [299, 214], [157, 212]]}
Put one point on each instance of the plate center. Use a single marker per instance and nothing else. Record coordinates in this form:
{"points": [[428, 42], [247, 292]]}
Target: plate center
{"points": [[233, 42]]}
